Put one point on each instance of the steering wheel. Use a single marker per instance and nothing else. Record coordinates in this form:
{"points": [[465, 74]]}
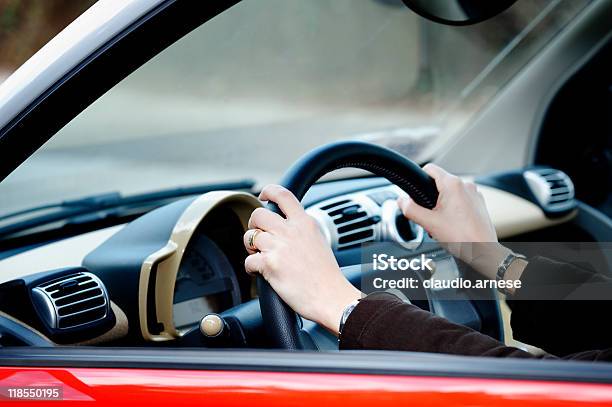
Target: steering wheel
{"points": [[281, 322]]}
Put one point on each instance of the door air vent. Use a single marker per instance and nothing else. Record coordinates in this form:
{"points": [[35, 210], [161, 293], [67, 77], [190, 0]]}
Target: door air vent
{"points": [[553, 189], [351, 222], [71, 301]]}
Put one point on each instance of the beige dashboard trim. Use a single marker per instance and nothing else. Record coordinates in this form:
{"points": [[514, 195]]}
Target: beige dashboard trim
{"points": [[23, 324], [168, 259], [119, 330], [512, 215]]}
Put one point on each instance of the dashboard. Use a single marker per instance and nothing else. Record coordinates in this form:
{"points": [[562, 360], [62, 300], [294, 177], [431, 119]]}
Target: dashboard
{"points": [[156, 276]]}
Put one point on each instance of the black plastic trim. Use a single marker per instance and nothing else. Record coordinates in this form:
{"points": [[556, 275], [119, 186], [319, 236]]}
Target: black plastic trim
{"points": [[118, 260], [514, 183], [476, 16]]}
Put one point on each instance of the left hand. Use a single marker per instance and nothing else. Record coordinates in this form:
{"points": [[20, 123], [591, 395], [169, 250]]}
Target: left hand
{"points": [[460, 215], [459, 222], [294, 257]]}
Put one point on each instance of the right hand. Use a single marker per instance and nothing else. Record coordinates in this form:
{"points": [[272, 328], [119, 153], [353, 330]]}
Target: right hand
{"points": [[292, 254]]}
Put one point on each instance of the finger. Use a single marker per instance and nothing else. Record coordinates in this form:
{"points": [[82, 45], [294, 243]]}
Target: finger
{"points": [[266, 220], [435, 172], [256, 240], [444, 180], [286, 201], [416, 212], [254, 264], [470, 187]]}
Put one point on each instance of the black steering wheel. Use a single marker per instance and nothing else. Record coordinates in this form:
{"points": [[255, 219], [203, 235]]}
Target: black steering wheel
{"points": [[281, 322]]}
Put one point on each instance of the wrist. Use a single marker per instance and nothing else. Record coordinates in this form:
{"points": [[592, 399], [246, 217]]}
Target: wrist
{"points": [[333, 311], [486, 258], [513, 272]]}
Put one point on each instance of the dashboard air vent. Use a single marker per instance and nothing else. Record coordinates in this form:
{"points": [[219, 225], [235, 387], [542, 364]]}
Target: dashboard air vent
{"points": [[71, 301], [552, 188], [353, 224]]}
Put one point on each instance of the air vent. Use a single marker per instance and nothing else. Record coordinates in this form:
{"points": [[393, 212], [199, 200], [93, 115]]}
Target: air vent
{"points": [[552, 188], [71, 301], [352, 222]]}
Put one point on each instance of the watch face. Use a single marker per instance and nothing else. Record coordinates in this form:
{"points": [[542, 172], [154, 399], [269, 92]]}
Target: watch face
{"points": [[345, 314], [502, 272]]}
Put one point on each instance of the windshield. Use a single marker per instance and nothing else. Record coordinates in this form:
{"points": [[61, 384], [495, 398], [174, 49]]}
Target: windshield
{"points": [[247, 93]]}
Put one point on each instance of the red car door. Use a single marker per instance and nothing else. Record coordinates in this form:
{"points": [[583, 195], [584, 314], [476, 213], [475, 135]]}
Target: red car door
{"points": [[265, 378]]}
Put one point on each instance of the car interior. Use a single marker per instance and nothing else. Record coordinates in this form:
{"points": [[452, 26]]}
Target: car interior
{"points": [[145, 269]]}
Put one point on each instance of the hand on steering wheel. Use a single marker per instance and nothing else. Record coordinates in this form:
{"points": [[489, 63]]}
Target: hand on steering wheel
{"points": [[281, 322], [292, 255], [460, 214]]}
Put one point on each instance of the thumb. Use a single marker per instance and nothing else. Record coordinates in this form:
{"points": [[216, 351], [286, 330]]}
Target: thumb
{"points": [[416, 212]]}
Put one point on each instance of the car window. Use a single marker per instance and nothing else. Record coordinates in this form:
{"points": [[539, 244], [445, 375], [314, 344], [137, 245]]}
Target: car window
{"points": [[248, 92]]}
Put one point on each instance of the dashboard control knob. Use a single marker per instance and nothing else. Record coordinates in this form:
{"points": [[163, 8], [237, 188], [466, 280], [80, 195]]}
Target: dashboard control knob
{"points": [[212, 325]]}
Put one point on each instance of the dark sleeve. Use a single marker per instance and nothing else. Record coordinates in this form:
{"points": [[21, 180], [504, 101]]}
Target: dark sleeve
{"points": [[384, 322], [604, 355], [560, 308]]}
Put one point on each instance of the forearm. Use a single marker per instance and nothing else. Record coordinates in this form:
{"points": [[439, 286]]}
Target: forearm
{"points": [[561, 300], [382, 321]]}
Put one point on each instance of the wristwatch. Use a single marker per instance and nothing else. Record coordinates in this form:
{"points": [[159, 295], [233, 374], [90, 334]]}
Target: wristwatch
{"points": [[345, 314], [503, 268]]}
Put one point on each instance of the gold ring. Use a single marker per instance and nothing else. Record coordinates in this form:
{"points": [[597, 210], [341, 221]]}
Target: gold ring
{"points": [[252, 239]]}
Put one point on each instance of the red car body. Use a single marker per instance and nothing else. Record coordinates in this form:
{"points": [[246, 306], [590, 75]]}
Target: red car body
{"points": [[113, 387]]}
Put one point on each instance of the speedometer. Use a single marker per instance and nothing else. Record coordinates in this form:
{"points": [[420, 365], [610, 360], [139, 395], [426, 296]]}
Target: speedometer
{"points": [[205, 283]]}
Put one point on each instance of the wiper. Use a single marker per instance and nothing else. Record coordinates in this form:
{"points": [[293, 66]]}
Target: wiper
{"points": [[107, 203]]}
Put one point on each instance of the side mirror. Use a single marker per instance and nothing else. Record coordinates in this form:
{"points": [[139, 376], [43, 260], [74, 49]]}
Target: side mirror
{"points": [[458, 12]]}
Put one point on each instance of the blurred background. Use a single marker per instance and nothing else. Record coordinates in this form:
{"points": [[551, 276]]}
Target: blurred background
{"points": [[27, 25], [247, 93]]}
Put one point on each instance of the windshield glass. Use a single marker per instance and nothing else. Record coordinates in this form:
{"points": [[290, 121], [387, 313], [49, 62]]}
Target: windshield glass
{"points": [[247, 93]]}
